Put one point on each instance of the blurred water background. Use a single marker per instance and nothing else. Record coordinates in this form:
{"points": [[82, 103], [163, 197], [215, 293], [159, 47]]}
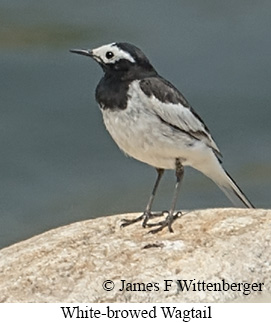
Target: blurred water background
{"points": [[59, 165]]}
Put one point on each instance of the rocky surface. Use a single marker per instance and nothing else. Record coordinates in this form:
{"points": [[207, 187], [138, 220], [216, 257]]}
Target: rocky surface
{"points": [[71, 263]]}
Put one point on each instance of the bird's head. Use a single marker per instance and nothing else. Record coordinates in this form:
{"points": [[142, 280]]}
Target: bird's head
{"points": [[119, 58]]}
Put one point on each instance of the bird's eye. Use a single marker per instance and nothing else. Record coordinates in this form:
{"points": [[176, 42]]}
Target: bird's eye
{"points": [[109, 55]]}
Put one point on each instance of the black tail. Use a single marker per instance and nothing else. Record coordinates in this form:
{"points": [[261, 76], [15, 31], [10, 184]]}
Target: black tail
{"points": [[234, 193]]}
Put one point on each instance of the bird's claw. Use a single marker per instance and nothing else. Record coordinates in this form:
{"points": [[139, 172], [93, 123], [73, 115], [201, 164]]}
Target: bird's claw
{"points": [[146, 216], [166, 223]]}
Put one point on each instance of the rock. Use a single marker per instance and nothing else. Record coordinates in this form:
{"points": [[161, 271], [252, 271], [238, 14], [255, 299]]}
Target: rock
{"points": [[71, 263]]}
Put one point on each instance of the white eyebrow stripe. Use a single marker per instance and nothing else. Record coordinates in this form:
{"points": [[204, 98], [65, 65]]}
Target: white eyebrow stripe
{"points": [[118, 52], [125, 55]]}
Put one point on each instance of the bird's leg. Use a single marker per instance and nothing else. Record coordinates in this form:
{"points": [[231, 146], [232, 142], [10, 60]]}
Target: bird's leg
{"points": [[171, 216], [147, 213]]}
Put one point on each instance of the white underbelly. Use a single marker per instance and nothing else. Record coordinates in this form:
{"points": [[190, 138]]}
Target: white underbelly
{"points": [[143, 137]]}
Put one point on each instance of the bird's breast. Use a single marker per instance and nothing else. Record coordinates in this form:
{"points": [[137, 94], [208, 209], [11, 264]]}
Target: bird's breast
{"points": [[136, 130]]}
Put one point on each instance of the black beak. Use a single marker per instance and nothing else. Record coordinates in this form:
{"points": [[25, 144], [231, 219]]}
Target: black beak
{"points": [[85, 52]]}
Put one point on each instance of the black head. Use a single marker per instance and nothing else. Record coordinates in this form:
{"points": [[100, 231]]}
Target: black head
{"points": [[123, 59]]}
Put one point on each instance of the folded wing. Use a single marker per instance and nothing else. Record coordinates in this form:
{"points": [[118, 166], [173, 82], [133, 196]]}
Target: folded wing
{"points": [[172, 108]]}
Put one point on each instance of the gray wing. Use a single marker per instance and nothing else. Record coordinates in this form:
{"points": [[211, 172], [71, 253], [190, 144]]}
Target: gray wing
{"points": [[171, 107]]}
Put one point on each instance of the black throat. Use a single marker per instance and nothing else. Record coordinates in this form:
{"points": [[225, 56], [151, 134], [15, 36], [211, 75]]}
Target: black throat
{"points": [[111, 93], [112, 90]]}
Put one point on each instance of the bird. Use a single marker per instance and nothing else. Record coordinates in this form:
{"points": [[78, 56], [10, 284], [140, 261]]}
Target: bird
{"points": [[151, 121]]}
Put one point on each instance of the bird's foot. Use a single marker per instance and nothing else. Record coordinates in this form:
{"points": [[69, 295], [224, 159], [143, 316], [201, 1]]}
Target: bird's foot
{"points": [[146, 216], [166, 223]]}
